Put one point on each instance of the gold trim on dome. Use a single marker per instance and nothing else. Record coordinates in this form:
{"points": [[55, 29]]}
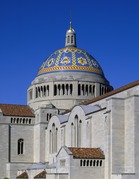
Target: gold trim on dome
{"points": [[82, 61], [74, 68]]}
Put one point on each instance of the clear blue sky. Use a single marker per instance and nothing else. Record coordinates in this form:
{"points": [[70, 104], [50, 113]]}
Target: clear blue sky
{"points": [[30, 30]]}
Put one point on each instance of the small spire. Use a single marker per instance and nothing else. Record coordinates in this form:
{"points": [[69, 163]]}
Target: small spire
{"points": [[70, 37], [70, 25]]}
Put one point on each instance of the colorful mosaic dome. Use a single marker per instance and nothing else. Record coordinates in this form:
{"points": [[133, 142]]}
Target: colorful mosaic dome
{"points": [[70, 59]]}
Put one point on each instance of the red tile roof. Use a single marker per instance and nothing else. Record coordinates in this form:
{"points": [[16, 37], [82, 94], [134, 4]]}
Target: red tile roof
{"points": [[16, 110], [23, 175], [90, 153], [41, 175]]}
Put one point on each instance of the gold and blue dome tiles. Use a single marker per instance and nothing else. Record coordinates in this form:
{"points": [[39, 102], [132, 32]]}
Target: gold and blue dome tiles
{"points": [[70, 59]]}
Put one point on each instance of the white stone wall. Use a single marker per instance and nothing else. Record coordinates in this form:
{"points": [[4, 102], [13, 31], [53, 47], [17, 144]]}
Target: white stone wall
{"points": [[22, 132], [63, 162], [39, 143], [136, 110], [88, 172], [130, 135], [117, 135], [14, 168], [51, 156], [4, 149]]}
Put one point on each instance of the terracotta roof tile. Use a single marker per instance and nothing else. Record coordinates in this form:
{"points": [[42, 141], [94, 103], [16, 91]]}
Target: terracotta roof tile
{"points": [[23, 175], [16, 110], [41, 175], [91, 153]]}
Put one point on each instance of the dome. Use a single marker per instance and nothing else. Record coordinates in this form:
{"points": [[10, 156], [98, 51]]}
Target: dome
{"points": [[68, 77], [70, 59]]}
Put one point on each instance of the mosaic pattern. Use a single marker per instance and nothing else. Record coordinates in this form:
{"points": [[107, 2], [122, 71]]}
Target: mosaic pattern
{"points": [[70, 59]]}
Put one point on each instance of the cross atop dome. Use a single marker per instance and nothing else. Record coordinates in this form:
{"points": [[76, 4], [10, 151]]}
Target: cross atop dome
{"points": [[70, 37]]}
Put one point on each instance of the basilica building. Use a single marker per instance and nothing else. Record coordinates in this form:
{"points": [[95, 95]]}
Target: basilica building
{"points": [[74, 126]]}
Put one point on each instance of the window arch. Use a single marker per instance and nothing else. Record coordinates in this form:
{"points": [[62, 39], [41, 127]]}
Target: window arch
{"points": [[77, 132], [72, 39], [79, 138], [20, 146], [53, 139], [68, 39]]}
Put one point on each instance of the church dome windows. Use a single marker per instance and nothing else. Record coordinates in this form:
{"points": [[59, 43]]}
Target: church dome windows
{"points": [[63, 89], [86, 89], [42, 91]]}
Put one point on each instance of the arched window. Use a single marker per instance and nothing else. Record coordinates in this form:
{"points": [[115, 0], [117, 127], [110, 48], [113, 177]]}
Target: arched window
{"points": [[11, 120], [20, 146], [67, 89], [24, 121], [87, 163], [76, 131], [83, 89], [71, 89], [79, 138], [36, 92], [39, 94], [84, 162], [93, 89], [68, 39], [55, 90], [17, 120], [90, 89], [72, 39], [90, 163], [72, 135], [29, 121], [86, 90], [48, 90], [44, 90], [63, 89], [50, 141], [97, 163], [59, 88], [54, 138], [79, 89], [80, 162]]}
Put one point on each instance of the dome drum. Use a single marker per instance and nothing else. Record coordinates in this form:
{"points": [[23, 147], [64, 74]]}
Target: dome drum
{"points": [[65, 90]]}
